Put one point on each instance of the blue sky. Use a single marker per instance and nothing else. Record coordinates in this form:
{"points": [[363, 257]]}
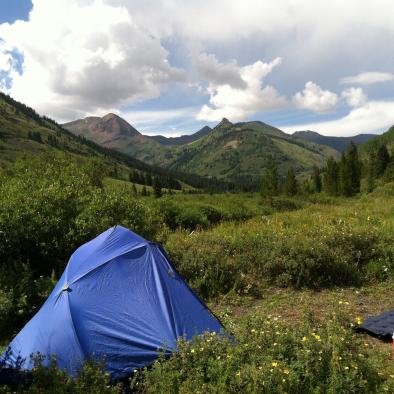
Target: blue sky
{"points": [[309, 64]]}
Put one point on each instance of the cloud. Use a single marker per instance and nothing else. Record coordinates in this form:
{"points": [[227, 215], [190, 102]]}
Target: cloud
{"points": [[314, 98], [368, 78], [239, 103], [354, 97], [218, 73], [81, 57], [373, 117], [147, 119]]}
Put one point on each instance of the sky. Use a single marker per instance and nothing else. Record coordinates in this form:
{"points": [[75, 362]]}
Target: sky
{"points": [[171, 67]]}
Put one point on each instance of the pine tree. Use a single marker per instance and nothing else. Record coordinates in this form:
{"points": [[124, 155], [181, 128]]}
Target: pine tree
{"points": [[270, 182], [291, 185], [148, 179], [331, 177], [382, 160], [317, 184], [353, 170], [157, 187], [345, 184], [144, 192]]}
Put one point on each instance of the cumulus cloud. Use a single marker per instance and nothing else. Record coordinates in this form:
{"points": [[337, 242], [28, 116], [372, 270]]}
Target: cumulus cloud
{"points": [[218, 73], [314, 98], [368, 78], [237, 103], [373, 117], [354, 97], [82, 57]]}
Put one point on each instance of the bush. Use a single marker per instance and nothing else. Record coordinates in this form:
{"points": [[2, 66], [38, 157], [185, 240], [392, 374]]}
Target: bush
{"points": [[49, 207], [268, 356], [298, 249]]}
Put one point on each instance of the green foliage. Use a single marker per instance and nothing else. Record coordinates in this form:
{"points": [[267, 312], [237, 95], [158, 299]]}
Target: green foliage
{"points": [[331, 178], [316, 178], [270, 182], [313, 248], [50, 206], [48, 378], [291, 186], [268, 356]]}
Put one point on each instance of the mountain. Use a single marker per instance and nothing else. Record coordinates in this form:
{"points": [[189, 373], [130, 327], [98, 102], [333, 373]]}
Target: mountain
{"points": [[230, 152], [183, 139], [386, 138], [24, 133], [111, 131], [338, 143], [239, 151]]}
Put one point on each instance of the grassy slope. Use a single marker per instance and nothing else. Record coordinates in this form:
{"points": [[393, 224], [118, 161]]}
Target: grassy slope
{"points": [[242, 149], [229, 151]]}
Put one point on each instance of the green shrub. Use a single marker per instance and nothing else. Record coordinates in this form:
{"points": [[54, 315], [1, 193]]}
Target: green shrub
{"points": [[298, 249], [268, 356]]}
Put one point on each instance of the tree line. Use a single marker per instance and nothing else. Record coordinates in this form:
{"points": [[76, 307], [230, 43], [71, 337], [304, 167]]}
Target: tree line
{"points": [[336, 178]]}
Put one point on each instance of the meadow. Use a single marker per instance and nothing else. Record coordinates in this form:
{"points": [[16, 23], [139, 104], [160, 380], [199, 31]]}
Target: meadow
{"points": [[289, 280]]}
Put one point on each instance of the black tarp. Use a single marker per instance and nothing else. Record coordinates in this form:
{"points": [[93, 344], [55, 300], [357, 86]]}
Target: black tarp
{"points": [[381, 326]]}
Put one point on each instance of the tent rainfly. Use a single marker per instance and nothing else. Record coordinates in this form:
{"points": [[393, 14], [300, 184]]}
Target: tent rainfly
{"points": [[119, 300]]}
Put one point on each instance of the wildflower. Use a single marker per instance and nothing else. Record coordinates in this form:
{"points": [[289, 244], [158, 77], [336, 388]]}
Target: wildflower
{"points": [[275, 344], [359, 320], [304, 339], [192, 351], [274, 364], [238, 374], [286, 371]]}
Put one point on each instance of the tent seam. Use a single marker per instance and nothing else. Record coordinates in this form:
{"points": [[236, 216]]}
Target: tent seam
{"points": [[73, 326]]}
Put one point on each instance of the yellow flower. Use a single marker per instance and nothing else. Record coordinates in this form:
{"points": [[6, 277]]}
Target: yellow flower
{"points": [[192, 351], [286, 371], [274, 364], [238, 374], [304, 339], [359, 320]]}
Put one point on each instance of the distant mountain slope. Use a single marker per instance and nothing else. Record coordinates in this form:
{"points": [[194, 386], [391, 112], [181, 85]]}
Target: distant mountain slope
{"points": [[386, 138], [23, 133], [183, 139], [234, 151], [111, 131], [231, 152], [338, 143]]}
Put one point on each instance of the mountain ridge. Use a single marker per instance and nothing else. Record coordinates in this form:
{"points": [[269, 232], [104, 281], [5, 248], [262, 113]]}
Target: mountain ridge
{"points": [[229, 151], [338, 143]]}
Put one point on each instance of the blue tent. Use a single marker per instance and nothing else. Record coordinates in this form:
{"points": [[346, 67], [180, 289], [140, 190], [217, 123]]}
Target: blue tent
{"points": [[119, 300]]}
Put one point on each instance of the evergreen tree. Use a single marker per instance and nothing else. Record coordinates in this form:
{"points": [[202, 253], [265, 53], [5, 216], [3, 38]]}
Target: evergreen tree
{"points": [[291, 186], [370, 175], [134, 189], [157, 187], [353, 168], [331, 177], [148, 179], [316, 178], [144, 192], [270, 182], [345, 184], [382, 160]]}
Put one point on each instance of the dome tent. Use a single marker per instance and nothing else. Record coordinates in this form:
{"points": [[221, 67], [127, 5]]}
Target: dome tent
{"points": [[119, 300]]}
